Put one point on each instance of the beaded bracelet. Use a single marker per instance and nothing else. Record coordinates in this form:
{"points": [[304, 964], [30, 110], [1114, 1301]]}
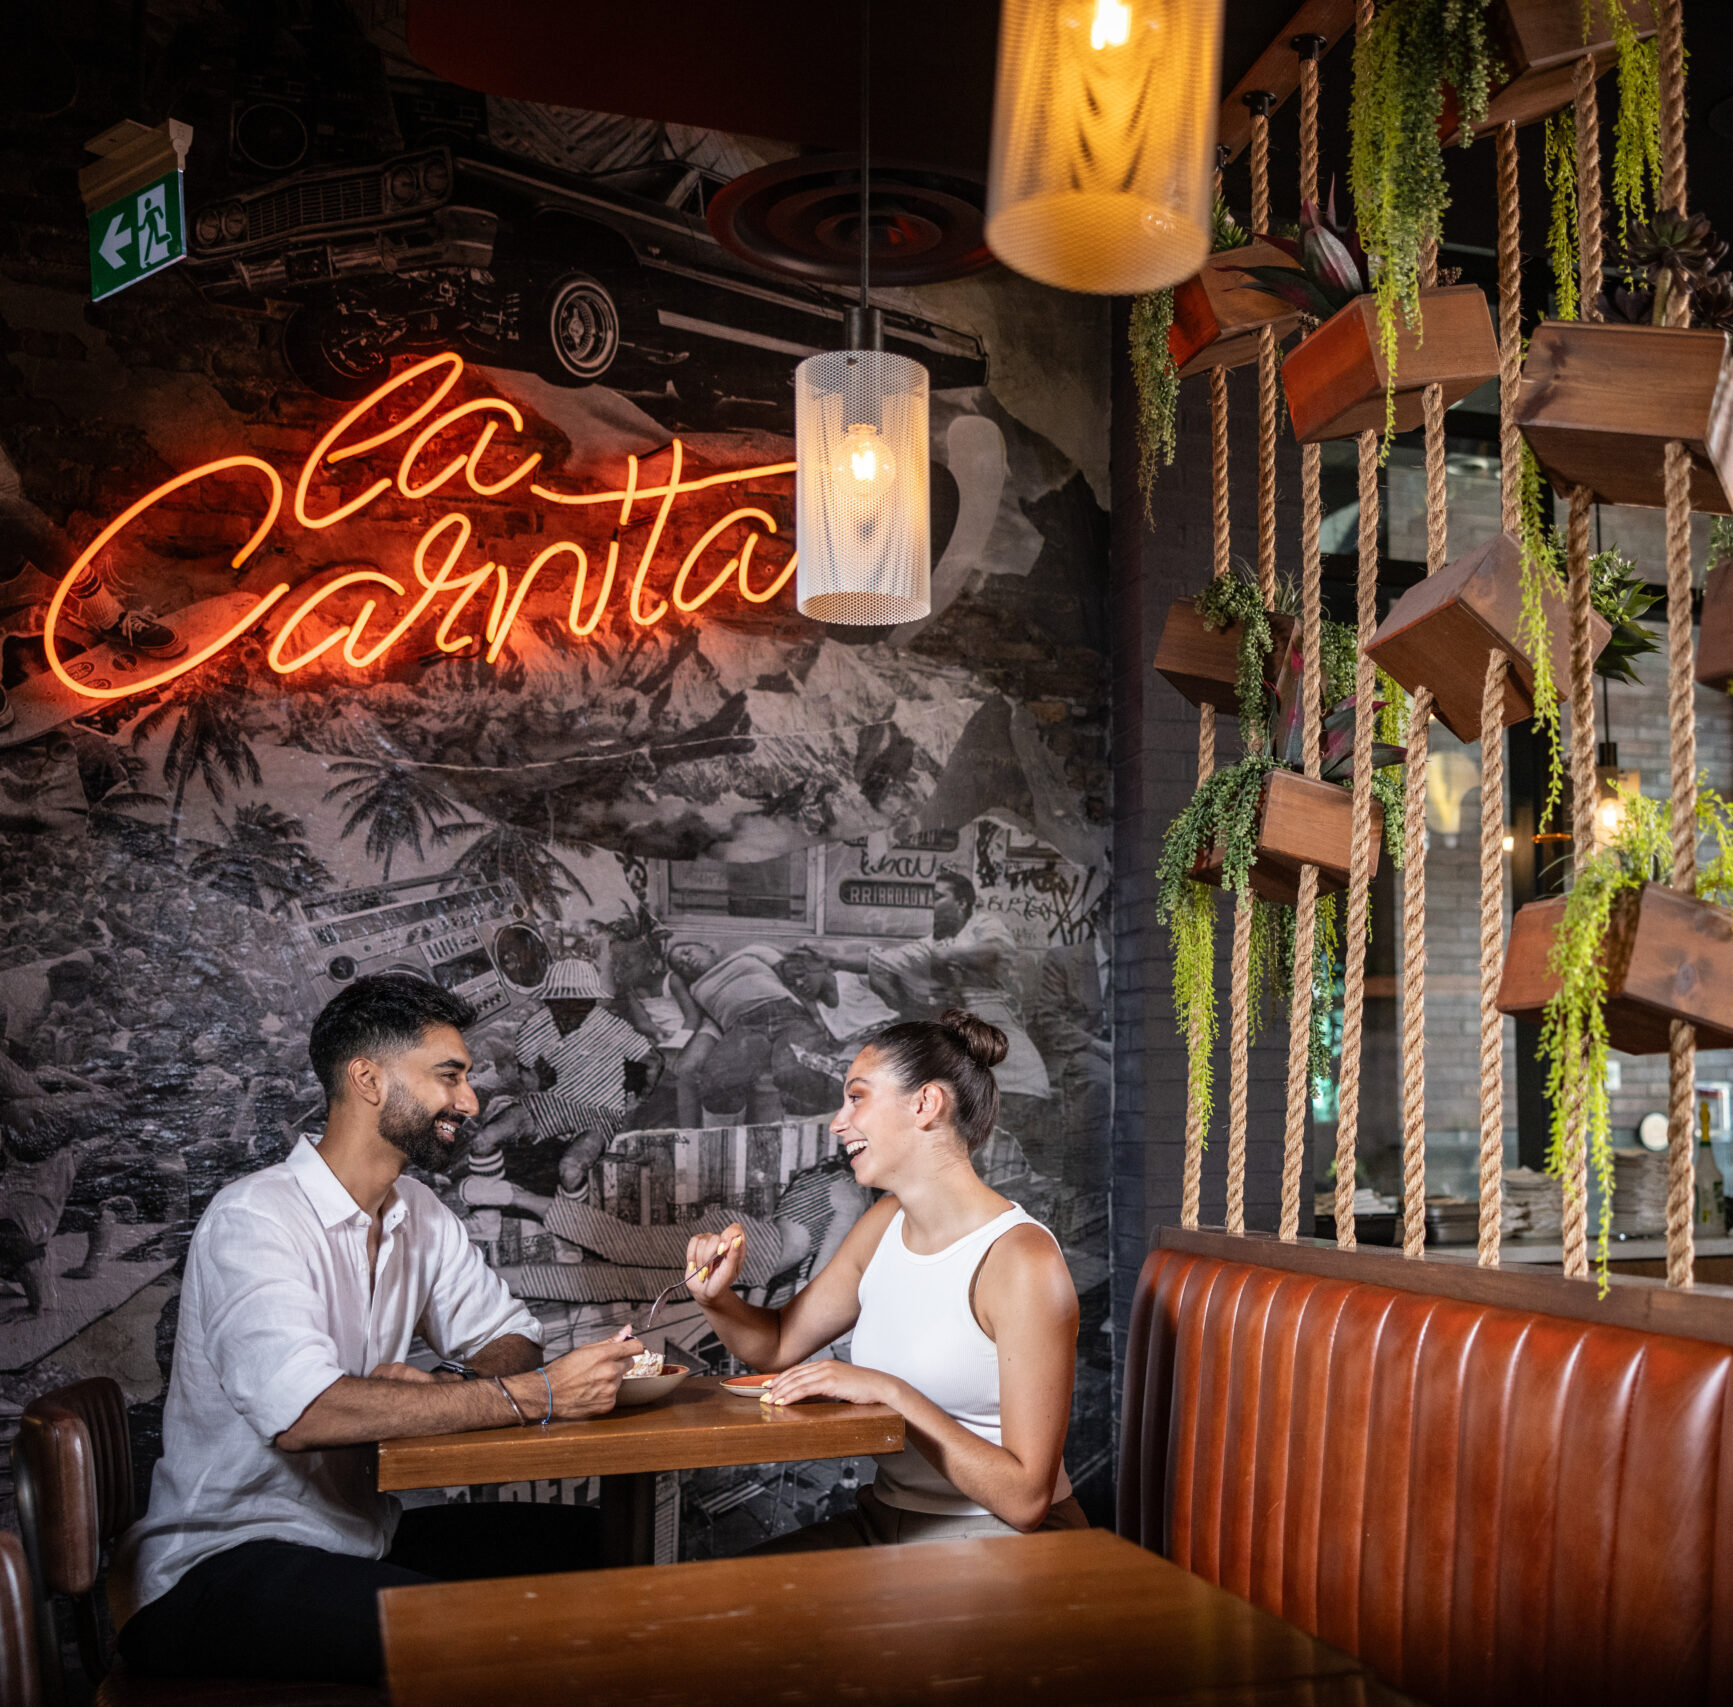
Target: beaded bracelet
{"points": [[517, 1410], [550, 1386]]}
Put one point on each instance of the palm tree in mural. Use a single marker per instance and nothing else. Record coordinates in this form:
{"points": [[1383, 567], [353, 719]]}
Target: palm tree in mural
{"points": [[510, 854], [210, 739], [266, 853], [397, 807]]}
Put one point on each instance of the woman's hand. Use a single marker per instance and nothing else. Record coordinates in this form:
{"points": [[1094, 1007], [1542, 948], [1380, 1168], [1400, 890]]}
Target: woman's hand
{"points": [[713, 1262], [833, 1379]]}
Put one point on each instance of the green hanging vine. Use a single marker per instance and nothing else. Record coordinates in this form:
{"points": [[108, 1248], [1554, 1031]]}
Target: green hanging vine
{"points": [[1573, 1039], [1396, 161], [1561, 233]]}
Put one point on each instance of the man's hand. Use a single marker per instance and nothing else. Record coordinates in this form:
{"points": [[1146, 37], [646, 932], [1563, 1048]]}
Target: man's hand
{"points": [[585, 1382], [713, 1262], [832, 1379]]}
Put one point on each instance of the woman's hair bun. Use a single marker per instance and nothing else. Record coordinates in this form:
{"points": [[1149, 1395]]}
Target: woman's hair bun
{"points": [[986, 1044]]}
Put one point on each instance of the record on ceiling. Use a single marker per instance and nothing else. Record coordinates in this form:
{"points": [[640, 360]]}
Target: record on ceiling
{"points": [[801, 218]]}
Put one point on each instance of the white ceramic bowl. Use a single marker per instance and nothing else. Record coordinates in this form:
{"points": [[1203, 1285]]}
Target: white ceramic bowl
{"points": [[646, 1389]]}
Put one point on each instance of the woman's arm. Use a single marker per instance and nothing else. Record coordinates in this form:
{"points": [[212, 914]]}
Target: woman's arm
{"points": [[828, 1306], [1026, 1304]]}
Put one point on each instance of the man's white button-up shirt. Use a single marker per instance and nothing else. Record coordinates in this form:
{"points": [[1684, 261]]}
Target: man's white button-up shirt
{"points": [[277, 1304]]}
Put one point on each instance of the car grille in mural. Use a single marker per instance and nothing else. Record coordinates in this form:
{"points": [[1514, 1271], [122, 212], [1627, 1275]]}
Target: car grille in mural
{"points": [[682, 868]]}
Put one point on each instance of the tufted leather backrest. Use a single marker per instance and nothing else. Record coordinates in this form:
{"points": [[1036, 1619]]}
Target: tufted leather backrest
{"points": [[20, 1681], [78, 1448], [1489, 1506]]}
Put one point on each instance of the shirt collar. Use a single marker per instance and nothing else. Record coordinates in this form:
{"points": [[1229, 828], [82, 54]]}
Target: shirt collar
{"points": [[331, 1202]]}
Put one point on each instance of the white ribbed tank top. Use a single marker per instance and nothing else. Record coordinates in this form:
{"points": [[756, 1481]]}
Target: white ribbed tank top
{"points": [[915, 1323]]}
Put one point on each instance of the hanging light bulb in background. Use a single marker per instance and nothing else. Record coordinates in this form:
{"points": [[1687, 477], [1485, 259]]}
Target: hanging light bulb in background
{"points": [[1104, 131], [866, 460]]}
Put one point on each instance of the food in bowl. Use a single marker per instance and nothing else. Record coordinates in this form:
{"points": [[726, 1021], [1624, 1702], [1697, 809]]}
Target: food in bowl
{"points": [[644, 1365]]}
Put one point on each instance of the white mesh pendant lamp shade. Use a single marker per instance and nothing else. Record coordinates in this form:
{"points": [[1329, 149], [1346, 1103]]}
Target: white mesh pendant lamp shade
{"points": [[860, 488], [1104, 131]]}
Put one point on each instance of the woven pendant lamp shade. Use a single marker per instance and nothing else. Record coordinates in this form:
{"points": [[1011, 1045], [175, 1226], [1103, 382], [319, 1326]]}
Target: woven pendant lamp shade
{"points": [[1104, 131], [860, 488]]}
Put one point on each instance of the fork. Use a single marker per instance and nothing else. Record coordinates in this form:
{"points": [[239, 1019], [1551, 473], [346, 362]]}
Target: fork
{"points": [[686, 1280]]}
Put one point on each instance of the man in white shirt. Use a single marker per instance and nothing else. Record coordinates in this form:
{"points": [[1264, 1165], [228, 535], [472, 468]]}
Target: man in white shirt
{"points": [[265, 1544]]}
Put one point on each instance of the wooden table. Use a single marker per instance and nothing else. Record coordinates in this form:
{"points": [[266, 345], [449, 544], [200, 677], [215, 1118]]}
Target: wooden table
{"points": [[698, 1427], [1057, 1618]]}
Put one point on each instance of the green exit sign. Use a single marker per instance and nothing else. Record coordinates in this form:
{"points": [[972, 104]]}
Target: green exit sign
{"points": [[136, 236]]}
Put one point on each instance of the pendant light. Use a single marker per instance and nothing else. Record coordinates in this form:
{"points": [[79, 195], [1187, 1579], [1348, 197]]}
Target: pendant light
{"points": [[1104, 131], [860, 447]]}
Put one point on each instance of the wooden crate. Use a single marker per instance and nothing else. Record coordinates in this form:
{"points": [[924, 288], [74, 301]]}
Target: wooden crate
{"points": [[1442, 631], [1599, 401], [1336, 379], [1300, 822], [1715, 638], [1540, 41], [1216, 321], [1668, 956], [1204, 663]]}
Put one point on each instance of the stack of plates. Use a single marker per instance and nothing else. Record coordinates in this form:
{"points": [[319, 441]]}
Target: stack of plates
{"points": [[1639, 1191], [1456, 1220], [1540, 1199]]}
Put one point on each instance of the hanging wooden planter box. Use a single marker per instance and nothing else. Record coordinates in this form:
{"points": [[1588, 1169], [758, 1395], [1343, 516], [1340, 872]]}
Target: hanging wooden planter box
{"points": [[1300, 822], [1216, 321], [1204, 663], [1667, 956], [1336, 379], [1441, 633], [1540, 42], [1599, 401], [1715, 638]]}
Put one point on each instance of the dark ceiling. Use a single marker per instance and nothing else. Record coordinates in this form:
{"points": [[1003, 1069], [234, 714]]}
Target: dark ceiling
{"points": [[788, 69]]}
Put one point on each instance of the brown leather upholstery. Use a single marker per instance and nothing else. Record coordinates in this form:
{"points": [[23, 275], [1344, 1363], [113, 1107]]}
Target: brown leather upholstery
{"points": [[79, 1449], [76, 1444], [20, 1680], [1488, 1506]]}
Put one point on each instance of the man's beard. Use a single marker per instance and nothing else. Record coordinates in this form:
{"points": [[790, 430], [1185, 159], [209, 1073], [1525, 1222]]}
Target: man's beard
{"points": [[407, 1126]]}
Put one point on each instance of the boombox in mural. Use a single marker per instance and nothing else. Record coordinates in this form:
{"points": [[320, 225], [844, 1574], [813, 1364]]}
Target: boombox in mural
{"points": [[488, 678]]}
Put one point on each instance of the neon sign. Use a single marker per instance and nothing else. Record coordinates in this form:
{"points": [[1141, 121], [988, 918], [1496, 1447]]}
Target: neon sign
{"points": [[437, 555]]}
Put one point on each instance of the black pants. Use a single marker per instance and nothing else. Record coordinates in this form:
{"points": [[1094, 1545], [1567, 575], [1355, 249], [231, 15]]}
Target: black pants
{"points": [[279, 1609]]}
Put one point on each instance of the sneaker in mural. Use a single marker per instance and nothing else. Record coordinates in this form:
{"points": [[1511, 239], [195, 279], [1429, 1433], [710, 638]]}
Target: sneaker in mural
{"points": [[140, 631]]}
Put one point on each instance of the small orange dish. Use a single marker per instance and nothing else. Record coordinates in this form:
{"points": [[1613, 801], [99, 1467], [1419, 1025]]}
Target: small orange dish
{"points": [[748, 1386]]}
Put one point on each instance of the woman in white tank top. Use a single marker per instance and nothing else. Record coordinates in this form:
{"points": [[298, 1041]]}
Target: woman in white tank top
{"points": [[964, 1315]]}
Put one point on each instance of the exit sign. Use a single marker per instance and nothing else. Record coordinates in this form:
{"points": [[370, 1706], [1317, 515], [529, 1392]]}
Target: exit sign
{"points": [[132, 194], [136, 236]]}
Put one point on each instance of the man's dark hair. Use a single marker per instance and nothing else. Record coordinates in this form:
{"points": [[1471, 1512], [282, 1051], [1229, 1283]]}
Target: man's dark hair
{"points": [[960, 887], [385, 1013]]}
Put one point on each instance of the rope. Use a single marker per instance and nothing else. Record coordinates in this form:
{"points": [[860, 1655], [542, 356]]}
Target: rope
{"points": [[1359, 871], [1306, 907], [1191, 1190], [1670, 23], [1681, 691], [1414, 980], [1509, 330], [1491, 957], [1266, 378], [1237, 1065], [1588, 186], [1582, 768]]}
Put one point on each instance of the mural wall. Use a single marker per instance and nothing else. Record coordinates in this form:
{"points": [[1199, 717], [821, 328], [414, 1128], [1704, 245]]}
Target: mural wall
{"points": [[402, 582]]}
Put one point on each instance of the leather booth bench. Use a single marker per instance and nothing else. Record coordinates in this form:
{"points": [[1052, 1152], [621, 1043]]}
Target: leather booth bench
{"points": [[1498, 1496]]}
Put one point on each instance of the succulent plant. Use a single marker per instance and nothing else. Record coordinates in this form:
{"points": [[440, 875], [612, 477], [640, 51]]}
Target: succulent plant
{"points": [[1333, 265], [1619, 593], [1336, 753], [1675, 252], [1712, 303]]}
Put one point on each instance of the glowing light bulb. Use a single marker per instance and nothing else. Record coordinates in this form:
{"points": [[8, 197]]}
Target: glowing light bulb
{"points": [[1608, 812], [1111, 26], [866, 461]]}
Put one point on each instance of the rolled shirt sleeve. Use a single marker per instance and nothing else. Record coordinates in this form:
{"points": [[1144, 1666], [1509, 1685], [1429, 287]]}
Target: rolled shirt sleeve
{"points": [[469, 1306], [266, 1333]]}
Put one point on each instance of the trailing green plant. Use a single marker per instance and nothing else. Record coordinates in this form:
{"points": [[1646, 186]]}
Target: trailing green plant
{"points": [[1193, 924], [1231, 600], [1561, 233], [1540, 569], [1153, 368], [1573, 1039], [1396, 161]]}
